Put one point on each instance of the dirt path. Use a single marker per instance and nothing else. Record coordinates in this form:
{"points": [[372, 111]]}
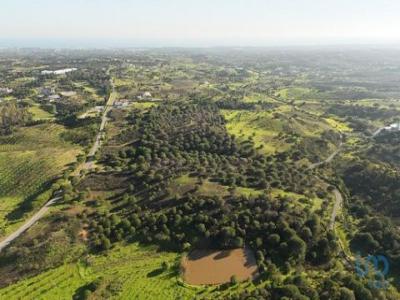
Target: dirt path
{"points": [[328, 160], [28, 223], [88, 165], [336, 208]]}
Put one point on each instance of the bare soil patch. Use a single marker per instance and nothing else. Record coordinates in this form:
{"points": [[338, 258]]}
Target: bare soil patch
{"points": [[217, 267]]}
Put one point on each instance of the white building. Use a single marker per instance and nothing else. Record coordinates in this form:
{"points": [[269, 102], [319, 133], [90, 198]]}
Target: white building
{"points": [[58, 72], [6, 91]]}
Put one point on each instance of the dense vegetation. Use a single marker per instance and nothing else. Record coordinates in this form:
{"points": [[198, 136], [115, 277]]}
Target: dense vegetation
{"points": [[12, 115], [173, 140]]}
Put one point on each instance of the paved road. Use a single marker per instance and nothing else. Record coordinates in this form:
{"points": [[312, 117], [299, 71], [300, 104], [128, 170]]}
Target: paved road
{"points": [[88, 165], [28, 223]]}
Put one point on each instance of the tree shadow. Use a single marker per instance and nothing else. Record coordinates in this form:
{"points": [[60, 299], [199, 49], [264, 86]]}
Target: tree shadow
{"points": [[155, 272]]}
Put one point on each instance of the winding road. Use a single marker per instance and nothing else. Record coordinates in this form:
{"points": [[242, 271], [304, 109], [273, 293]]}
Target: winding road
{"points": [[338, 195], [328, 160], [88, 165]]}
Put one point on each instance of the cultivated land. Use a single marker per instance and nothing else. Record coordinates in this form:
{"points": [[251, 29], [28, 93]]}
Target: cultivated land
{"points": [[275, 167], [30, 158]]}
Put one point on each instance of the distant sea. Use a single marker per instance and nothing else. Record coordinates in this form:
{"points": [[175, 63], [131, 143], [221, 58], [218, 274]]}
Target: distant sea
{"points": [[104, 43]]}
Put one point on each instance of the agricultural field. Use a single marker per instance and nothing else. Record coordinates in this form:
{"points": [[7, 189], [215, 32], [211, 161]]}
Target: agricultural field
{"points": [[30, 159], [126, 272]]}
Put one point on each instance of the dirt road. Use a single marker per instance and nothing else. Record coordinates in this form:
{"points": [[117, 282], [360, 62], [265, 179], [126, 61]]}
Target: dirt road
{"points": [[88, 165], [28, 223], [336, 208]]}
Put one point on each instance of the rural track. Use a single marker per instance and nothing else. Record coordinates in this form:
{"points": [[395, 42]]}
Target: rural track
{"points": [[28, 224], [338, 195], [88, 165]]}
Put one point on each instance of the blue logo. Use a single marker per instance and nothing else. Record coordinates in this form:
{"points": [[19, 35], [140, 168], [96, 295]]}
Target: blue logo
{"points": [[380, 268]]}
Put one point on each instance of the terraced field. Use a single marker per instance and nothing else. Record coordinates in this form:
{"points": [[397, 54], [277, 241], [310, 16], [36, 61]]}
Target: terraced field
{"points": [[136, 269], [28, 160]]}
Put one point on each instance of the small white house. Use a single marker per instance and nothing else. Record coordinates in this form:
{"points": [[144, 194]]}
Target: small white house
{"points": [[53, 98], [6, 91], [68, 93]]}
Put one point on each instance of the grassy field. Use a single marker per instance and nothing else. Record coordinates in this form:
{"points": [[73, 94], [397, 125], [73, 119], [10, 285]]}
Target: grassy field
{"points": [[296, 93], [185, 183], [274, 131], [40, 114], [28, 159]]}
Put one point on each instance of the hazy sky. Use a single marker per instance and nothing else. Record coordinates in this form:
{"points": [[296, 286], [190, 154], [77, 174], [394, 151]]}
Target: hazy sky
{"points": [[202, 22]]}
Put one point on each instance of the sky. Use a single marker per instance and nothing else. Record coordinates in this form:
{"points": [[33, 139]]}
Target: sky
{"points": [[197, 23]]}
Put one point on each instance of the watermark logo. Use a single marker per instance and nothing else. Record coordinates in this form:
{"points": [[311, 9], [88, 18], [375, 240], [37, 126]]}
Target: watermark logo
{"points": [[374, 267]]}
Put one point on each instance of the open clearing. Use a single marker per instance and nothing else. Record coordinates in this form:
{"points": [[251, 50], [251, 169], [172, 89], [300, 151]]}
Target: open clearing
{"points": [[217, 267]]}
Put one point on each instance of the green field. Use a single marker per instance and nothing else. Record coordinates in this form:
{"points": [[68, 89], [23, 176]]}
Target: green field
{"points": [[136, 269], [274, 131], [40, 114], [30, 158]]}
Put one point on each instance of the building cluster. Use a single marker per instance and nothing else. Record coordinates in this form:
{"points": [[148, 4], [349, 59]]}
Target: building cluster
{"points": [[49, 94], [58, 72]]}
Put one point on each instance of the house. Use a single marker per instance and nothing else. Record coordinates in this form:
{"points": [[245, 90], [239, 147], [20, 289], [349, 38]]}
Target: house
{"points": [[6, 91], [48, 91], [53, 98], [147, 95], [122, 103], [68, 93], [393, 127]]}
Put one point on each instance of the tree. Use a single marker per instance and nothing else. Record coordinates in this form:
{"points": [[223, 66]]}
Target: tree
{"points": [[346, 294], [105, 243], [165, 265], [297, 247], [238, 242]]}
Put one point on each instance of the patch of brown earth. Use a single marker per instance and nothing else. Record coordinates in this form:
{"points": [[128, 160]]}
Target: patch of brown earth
{"points": [[217, 267], [83, 234]]}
